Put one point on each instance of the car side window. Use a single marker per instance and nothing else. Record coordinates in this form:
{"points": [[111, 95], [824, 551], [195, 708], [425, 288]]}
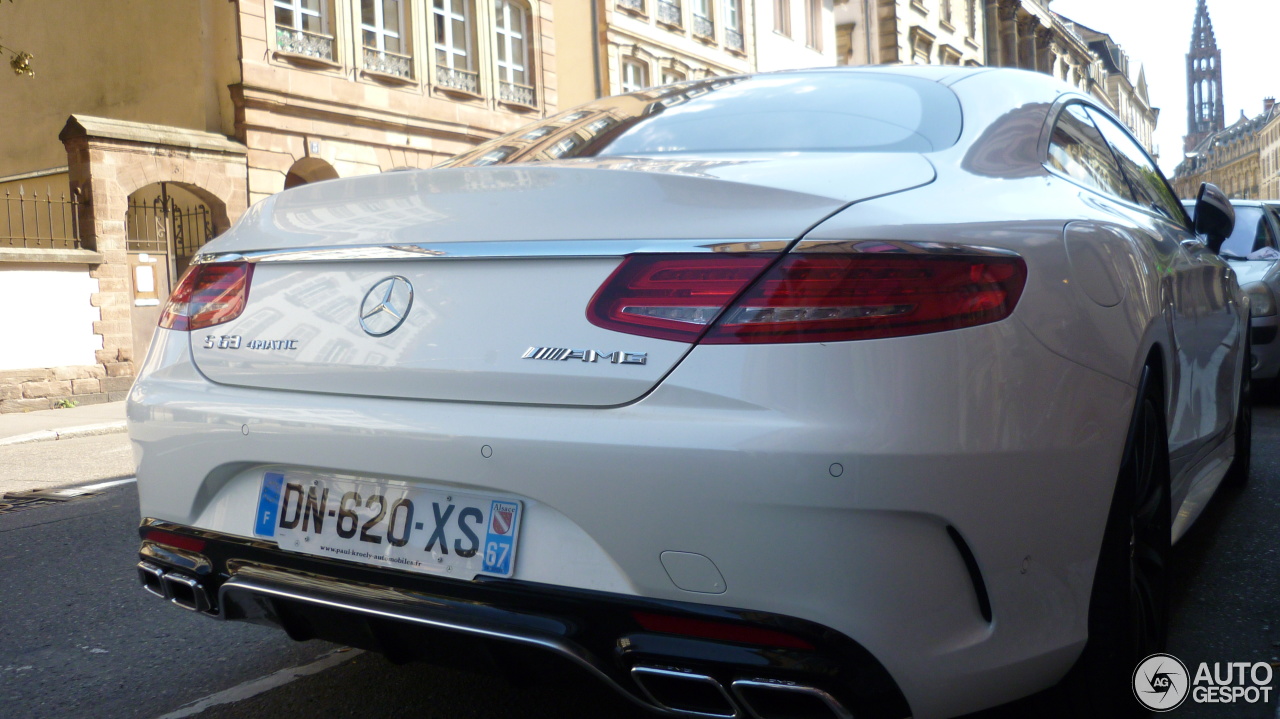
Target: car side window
{"points": [[1266, 234], [1149, 185], [1275, 224], [1077, 150]]}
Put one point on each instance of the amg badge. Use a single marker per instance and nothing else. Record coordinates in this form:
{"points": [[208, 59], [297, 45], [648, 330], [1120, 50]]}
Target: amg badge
{"points": [[565, 354]]}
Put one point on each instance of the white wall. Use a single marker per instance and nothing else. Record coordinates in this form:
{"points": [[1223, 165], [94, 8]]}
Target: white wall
{"points": [[45, 316], [779, 52]]}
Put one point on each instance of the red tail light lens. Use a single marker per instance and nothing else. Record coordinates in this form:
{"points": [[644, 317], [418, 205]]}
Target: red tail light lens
{"points": [[837, 297], [208, 295], [721, 631], [672, 297], [177, 541], [805, 297]]}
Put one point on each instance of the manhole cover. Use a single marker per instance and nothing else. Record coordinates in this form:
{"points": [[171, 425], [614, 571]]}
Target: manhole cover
{"points": [[18, 501]]}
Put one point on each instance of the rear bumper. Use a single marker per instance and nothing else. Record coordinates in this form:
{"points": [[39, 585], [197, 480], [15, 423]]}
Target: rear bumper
{"points": [[494, 621], [832, 502]]}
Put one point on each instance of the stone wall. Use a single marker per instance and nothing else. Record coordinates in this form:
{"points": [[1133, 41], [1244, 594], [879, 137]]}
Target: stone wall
{"points": [[35, 389]]}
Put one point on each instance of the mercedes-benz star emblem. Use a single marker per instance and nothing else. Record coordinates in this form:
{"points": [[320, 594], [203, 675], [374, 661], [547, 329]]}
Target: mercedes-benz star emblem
{"points": [[386, 305]]}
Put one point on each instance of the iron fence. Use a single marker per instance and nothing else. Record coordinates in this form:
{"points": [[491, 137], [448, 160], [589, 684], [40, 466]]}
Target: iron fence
{"points": [[152, 226], [40, 222]]}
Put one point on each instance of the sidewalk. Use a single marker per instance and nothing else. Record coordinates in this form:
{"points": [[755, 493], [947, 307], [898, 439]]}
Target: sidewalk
{"points": [[53, 424]]}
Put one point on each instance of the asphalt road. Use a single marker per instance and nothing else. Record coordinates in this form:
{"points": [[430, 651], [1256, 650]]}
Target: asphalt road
{"points": [[78, 637]]}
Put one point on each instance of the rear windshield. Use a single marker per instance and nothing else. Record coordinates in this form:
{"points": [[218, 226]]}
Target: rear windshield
{"points": [[785, 112]]}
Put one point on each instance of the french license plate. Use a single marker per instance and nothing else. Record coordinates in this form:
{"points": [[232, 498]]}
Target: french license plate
{"points": [[390, 525]]}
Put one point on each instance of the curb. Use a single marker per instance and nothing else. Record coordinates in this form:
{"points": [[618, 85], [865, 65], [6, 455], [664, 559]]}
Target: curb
{"points": [[46, 435]]}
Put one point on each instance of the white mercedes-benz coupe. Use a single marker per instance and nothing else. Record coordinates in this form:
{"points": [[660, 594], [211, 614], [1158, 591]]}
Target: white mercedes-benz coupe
{"points": [[829, 393]]}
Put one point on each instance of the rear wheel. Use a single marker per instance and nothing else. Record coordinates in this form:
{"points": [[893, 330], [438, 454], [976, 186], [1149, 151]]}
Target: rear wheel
{"points": [[1238, 474], [1129, 606]]}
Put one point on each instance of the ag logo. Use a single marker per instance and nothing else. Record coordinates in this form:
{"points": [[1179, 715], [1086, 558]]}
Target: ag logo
{"points": [[1161, 682]]}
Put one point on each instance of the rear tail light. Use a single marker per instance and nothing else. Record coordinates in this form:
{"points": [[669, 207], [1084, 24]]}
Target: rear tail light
{"points": [[827, 297], [672, 297], [208, 295]]}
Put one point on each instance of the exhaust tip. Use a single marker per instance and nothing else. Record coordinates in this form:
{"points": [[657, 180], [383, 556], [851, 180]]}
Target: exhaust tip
{"points": [[685, 692], [186, 592], [784, 700], [152, 578]]}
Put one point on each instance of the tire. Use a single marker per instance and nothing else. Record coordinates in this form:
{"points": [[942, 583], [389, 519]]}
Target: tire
{"points": [[1238, 474], [1129, 605]]}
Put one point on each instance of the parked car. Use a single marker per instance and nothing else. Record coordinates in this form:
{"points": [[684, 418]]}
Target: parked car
{"points": [[1253, 251], [819, 393]]}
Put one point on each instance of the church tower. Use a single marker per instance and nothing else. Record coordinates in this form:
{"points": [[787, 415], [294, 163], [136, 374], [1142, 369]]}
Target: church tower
{"points": [[1205, 112]]}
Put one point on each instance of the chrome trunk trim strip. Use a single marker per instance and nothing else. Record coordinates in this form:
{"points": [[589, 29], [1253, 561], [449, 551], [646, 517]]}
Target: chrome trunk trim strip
{"points": [[895, 247], [552, 249]]}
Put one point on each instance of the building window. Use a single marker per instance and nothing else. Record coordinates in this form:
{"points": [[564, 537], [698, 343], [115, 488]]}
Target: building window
{"points": [[733, 25], [782, 17], [635, 75], [971, 17], [921, 45], [455, 45], [813, 24], [670, 76], [703, 24], [383, 31], [669, 13], [944, 11], [302, 28], [511, 38]]}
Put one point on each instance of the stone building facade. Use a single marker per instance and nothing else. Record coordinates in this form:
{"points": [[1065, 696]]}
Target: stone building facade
{"points": [[1024, 34], [1233, 158], [164, 144], [923, 32], [608, 47], [1269, 161], [1242, 159], [1126, 90], [1027, 34]]}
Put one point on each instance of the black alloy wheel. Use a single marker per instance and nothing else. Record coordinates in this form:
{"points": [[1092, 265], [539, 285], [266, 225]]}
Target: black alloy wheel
{"points": [[1150, 530], [1129, 605]]}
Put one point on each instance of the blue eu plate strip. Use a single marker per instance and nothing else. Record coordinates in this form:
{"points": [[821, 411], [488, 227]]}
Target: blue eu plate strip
{"points": [[499, 543], [268, 504]]}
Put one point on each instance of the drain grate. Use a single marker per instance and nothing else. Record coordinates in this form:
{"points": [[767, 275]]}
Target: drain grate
{"points": [[32, 498]]}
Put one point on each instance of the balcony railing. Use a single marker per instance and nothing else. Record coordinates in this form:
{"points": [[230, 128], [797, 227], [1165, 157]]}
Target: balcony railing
{"points": [[301, 42], [515, 93], [464, 80], [733, 38], [36, 222], [388, 63], [669, 13], [636, 5], [703, 26]]}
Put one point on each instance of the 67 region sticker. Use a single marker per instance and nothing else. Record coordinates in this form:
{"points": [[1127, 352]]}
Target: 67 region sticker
{"points": [[499, 543]]}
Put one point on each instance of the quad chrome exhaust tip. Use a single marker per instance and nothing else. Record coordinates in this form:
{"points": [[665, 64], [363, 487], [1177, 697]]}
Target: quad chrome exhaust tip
{"points": [[685, 692], [770, 699], [692, 694], [183, 590]]}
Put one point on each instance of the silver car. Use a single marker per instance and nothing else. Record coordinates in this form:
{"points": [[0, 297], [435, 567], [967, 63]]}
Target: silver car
{"points": [[850, 392], [1253, 251]]}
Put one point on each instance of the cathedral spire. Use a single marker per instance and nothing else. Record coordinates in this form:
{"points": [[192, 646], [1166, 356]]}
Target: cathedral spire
{"points": [[1205, 112]]}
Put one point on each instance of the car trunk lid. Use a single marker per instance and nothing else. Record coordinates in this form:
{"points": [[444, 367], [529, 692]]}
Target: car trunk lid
{"points": [[501, 263]]}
